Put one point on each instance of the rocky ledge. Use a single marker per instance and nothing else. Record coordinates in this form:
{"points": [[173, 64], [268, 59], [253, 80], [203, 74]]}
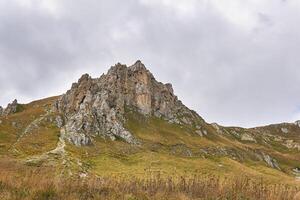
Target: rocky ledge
{"points": [[10, 109], [97, 106]]}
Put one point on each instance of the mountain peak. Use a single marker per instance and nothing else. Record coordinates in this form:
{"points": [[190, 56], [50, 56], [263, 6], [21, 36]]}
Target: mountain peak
{"points": [[98, 106], [138, 66]]}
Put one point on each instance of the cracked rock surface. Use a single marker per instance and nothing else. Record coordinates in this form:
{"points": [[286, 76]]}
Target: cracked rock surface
{"points": [[10, 109], [97, 106]]}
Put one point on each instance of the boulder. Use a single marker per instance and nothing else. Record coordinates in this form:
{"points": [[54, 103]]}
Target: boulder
{"points": [[59, 121], [297, 170]]}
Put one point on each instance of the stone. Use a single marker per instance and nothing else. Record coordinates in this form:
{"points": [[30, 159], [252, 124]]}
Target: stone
{"points": [[284, 130], [247, 137], [270, 161], [181, 149], [217, 127], [1, 111], [200, 133], [297, 123], [97, 106], [11, 108], [291, 144], [59, 121], [83, 175], [235, 133]]}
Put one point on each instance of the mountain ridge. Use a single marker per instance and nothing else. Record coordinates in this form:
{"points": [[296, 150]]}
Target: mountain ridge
{"points": [[98, 105], [126, 113]]}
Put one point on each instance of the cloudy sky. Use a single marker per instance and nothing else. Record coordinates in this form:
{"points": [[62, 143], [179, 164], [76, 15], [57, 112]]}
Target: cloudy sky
{"points": [[235, 62]]}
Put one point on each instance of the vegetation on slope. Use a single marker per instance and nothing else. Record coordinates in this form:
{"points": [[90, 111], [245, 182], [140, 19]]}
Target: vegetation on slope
{"points": [[172, 161]]}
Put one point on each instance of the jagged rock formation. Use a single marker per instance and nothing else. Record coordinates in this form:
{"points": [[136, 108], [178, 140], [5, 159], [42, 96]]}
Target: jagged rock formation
{"points": [[10, 109], [270, 161], [97, 106], [297, 123]]}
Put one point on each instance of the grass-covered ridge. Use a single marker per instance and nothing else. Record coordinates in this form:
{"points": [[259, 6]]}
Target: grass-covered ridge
{"points": [[168, 154]]}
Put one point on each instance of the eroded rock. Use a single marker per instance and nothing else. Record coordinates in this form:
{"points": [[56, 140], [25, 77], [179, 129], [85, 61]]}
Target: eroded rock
{"points": [[291, 144], [11, 108], [59, 121], [284, 130], [297, 170], [97, 106], [297, 123], [270, 161], [217, 127], [247, 137]]}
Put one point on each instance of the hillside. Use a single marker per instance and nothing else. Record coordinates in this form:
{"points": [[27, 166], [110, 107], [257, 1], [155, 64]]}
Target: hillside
{"points": [[126, 124]]}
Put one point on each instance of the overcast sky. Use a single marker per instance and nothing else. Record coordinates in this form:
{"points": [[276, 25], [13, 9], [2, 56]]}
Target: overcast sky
{"points": [[235, 62]]}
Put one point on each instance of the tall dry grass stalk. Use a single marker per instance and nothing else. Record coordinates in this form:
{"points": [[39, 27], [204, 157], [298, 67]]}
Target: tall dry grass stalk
{"points": [[40, 184]]}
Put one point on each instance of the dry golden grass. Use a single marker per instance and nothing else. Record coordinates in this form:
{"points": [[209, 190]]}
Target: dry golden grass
{"points": [[22, 182]]}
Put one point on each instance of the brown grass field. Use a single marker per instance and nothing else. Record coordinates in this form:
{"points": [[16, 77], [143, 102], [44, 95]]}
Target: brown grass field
{"points": [[18, 182]]}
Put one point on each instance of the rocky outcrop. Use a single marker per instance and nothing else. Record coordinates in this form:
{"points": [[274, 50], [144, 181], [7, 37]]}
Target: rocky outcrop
{"points": [[1, 111], [284, 130], [247, 137], [291, 144], [97, 106], [270, 161], [10, 109], [297, 123], [297, 170]]}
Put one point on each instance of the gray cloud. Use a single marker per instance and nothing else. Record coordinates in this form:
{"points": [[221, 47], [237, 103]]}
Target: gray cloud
{"points": [[233, 63]]}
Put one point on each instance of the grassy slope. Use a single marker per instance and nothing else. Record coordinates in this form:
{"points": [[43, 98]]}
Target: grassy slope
{"points": [[167, 149], [40, 138]]}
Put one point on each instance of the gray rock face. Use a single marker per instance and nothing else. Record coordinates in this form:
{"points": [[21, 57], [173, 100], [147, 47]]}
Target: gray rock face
{"points": [[297, 170], [59, 121], [291, 144], [284, 130], [1, 111], [270, 161], [297, 123], [247, 137], [11, 108], [97, 106]]}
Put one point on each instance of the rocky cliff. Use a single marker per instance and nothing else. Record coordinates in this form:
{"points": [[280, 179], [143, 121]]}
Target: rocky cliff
{"points": [[97, 106], [10, 109]]}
